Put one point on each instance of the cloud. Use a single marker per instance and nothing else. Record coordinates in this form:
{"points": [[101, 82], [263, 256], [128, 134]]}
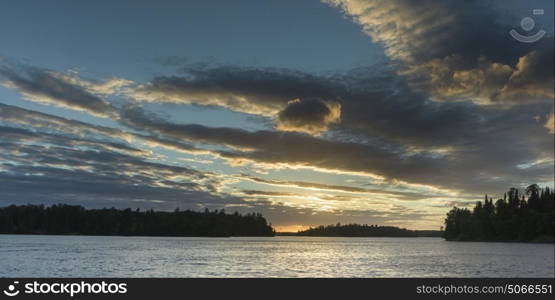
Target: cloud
{"points": [[312, 116], [371, 101], [489, 82], [259, 91], [48, 168], [533, 77], [275, 147], [39, 167], [290, 148], [550, 123], [361, 104], [13, 115], [416, 31], [481, 161], [46, 86], [371, 192], [386, 130], [25, 135], [456, 49], [108, 86]]}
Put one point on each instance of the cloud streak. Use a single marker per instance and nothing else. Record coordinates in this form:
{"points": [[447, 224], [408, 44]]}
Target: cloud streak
{"points": [[49, 87]]}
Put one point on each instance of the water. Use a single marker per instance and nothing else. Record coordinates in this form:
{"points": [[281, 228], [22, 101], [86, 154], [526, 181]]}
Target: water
{"points": [[90, 256]]}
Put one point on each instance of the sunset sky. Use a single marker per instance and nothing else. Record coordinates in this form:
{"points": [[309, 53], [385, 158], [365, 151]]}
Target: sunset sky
{"points": [[310, 112]]}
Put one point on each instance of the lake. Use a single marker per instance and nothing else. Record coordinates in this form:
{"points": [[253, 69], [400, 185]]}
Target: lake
{"points": [[281, 256]]}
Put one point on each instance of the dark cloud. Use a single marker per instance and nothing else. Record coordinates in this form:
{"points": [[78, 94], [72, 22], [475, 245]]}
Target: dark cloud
{"points": [[49, 87], [457, 49], [386, 128], [379, 104], [309, 115], [267, 146], [259, 91], [480, 161], [444, 50], [422, 30], [373, 101]]}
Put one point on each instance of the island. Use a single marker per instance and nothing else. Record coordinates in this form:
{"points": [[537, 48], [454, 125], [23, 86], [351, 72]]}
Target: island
{"points": [[357, 230], [513, 218], [65, 219]]}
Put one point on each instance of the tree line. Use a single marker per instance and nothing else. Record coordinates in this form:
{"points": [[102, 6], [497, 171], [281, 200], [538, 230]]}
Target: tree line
{"points": [[512, 218], [357, 230], [70, 219]]}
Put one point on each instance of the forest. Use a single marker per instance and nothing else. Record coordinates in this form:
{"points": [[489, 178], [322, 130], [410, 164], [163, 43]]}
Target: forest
{"points": [[357, 230], [68, 219], [526, 216]]}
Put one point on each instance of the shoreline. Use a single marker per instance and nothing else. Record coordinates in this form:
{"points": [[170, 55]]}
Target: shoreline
{"points": [[116, 235], [278, 234], [497, 241]]}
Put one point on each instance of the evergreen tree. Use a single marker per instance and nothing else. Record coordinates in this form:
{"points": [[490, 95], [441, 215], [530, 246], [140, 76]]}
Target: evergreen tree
{"points": [[67, 219], [513, 218]]}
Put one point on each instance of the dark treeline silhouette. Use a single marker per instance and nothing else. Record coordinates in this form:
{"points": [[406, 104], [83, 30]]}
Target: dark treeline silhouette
{"points": [[68, 219], [357, 230], [513, 218]]}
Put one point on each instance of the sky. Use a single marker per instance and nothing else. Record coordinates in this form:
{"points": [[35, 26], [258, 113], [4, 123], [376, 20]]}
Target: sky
{"points": [[384, 112]]}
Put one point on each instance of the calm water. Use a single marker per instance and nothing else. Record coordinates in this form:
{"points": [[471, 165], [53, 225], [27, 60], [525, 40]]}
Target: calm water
{"points": [[85, 256]]}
